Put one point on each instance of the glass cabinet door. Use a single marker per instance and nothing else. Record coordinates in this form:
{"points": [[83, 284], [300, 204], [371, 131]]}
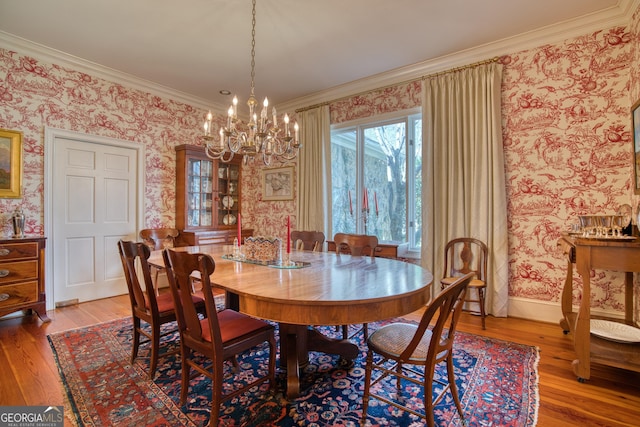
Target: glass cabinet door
{"points": [[228, 204], [200, 192]]}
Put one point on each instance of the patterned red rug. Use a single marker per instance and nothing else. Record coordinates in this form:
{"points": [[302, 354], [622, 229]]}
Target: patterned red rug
{"points": [[497, 380]]}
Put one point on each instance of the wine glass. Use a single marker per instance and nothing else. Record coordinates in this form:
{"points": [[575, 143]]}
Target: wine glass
{"points": [[586, 221], [605, 225], [617, 222]]}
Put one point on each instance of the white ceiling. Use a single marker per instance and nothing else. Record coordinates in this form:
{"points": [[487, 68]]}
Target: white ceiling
{"points": [[303, 47]]}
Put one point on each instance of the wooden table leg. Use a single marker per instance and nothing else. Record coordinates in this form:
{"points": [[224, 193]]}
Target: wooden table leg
{"points": [[294, 354], [582, 333], [343, 348], [296, 341], [567, 291], [628, 298]]}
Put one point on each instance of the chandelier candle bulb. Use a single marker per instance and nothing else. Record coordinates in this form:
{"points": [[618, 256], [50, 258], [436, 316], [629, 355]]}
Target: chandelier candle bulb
{"points": [[286, 125], [296, 129], [235, 107], [207, 124], [229, 117]]}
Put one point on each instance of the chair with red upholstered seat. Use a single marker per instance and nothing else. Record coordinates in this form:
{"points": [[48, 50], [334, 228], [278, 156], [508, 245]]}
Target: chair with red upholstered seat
{"points": [[146, 306], [220, 336]]}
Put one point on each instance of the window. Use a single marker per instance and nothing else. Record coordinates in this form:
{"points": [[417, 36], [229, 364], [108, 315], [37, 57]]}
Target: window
{"points": [[378, 164]]}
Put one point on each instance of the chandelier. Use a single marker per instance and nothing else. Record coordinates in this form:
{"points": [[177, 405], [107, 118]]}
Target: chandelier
{"points": [[261, 136]]}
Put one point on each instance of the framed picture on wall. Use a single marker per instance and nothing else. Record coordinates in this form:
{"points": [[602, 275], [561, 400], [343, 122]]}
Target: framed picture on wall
{"points": [[10, 164], [277, 183], [635, 124]]}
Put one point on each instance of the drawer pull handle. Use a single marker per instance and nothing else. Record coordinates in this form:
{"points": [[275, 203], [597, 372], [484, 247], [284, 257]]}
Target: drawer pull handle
{"points": [[4, 297], [4, 252], [4, 273]]}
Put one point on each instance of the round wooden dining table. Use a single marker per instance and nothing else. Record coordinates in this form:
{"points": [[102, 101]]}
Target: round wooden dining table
{"points": [[323, 288]]}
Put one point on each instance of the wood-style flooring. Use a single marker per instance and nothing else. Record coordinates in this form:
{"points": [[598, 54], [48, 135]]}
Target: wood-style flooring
{"points": [[611, 398]]}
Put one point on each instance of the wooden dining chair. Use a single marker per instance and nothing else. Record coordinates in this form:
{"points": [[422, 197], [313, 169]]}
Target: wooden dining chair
{"points": [[157, 239], [468, 255], [220, 336], [402, 347], [146, 306], [356, 245], [307, 240]]}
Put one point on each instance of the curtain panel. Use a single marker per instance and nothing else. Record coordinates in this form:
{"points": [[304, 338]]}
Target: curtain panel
{"points": [[464, 190], [314, 173]]}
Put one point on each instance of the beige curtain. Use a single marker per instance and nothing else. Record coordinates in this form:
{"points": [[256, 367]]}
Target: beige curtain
{"points": [[314, 176], [463, 192]]}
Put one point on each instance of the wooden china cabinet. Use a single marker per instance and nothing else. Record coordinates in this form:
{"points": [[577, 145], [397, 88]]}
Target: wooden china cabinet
{"points": [[208, 197]]}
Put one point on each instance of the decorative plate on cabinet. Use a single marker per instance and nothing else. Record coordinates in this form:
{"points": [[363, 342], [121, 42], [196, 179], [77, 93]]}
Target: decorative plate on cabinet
{"points": [[615, 331], [227, 201], [229, 219]]}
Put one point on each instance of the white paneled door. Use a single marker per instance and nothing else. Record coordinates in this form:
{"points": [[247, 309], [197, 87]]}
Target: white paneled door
{"points": [[93, 203]]}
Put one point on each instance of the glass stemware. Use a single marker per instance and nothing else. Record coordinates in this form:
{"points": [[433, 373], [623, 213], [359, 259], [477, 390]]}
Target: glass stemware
{"points": [[605, 225], [617, 224], [586, 222]]}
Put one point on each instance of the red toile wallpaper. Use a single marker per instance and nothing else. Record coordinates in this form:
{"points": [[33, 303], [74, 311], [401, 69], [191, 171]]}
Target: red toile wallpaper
{"points": [[566, 125]]}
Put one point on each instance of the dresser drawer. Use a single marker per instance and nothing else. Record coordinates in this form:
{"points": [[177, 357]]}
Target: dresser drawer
{"points": [[13, 251], [18, 294], [18, 270]]}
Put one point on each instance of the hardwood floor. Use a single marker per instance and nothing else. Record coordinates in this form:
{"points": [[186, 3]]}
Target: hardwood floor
{"points": [[610, 398]]}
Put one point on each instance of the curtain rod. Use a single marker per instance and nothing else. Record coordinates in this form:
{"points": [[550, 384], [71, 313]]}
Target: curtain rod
{"points": [[439, 73]]}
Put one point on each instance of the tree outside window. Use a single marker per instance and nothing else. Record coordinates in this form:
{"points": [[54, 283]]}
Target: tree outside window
{"points": [[370, 166]]}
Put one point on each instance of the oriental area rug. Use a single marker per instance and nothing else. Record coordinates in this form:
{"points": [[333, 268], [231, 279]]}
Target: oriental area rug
{"points": [[497, 381]]}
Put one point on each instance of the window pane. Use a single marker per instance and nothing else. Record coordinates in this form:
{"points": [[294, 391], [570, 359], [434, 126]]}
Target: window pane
{"points": [[385, 179], [417, 144], [343, 180]]}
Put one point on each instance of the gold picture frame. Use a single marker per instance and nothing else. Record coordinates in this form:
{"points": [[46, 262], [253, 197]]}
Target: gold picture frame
{"points": [[10, 164], [635, 127], [277, 183]]}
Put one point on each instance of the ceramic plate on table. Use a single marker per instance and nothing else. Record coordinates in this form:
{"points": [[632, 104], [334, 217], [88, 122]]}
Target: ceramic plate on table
{"points": [[625, 211], [227, 201], [615, 331], [229, 219]]}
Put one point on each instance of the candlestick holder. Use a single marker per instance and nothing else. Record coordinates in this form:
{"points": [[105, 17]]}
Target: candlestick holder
{"points": [[365, 217]]}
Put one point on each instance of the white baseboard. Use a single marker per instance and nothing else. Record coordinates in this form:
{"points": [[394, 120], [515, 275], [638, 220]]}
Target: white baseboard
{"points": [[549, 312]]}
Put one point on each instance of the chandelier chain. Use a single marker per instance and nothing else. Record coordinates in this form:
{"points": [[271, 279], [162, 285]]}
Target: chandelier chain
{"points": [[253, 47]]}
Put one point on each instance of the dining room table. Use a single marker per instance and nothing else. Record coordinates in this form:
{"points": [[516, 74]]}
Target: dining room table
{"points": [[315, 289]]}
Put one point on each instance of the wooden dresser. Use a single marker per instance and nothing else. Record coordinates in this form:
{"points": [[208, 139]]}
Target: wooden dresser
{"points": [[22, 276]]}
